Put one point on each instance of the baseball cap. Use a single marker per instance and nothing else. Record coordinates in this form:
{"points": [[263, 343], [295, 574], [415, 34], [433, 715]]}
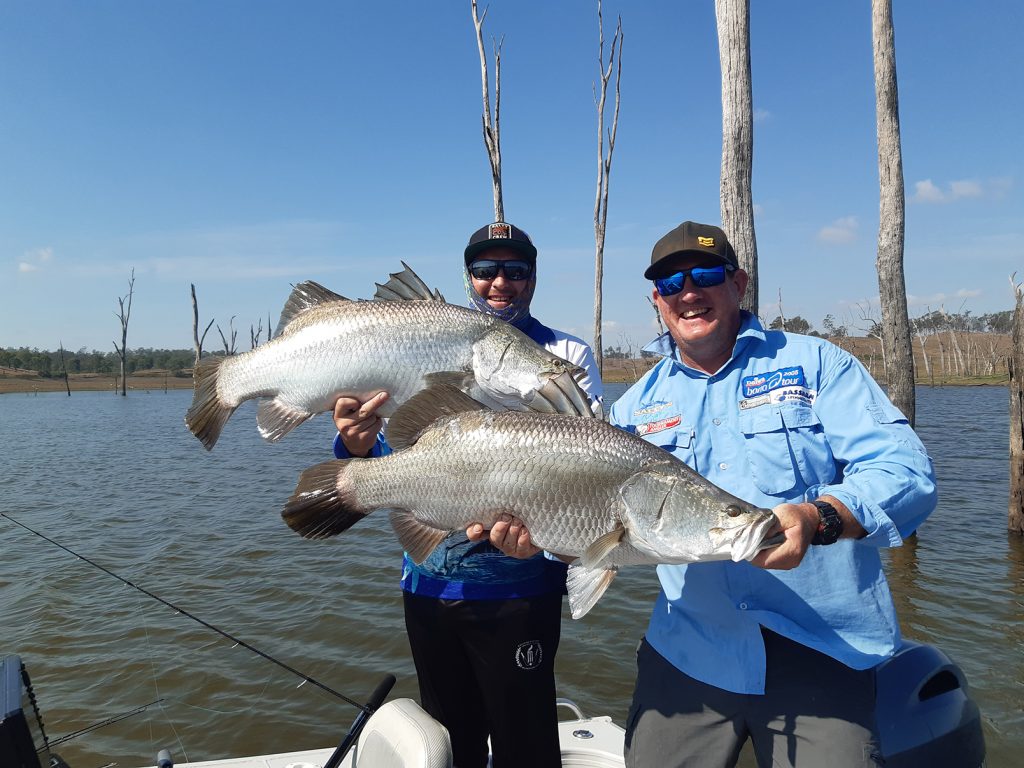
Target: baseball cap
{"points": [[500, 234], [691, 238]]}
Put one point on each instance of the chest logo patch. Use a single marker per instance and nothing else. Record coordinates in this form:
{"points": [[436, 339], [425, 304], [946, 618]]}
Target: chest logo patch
{"points": [[763, 383], [660, 425]]}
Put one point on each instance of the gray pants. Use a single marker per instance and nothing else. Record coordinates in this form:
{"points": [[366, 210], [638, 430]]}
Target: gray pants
{"points": [[815, 712]]}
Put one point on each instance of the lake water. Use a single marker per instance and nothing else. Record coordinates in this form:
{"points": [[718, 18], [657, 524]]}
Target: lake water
{"points": [[122, 482]]}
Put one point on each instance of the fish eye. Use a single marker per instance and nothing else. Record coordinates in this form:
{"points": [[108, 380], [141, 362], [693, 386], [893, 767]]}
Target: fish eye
{"points": [[733, 511]]}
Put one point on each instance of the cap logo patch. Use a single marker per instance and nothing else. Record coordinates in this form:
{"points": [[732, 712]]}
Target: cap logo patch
{"points": [[499, 231], [708, 242]]}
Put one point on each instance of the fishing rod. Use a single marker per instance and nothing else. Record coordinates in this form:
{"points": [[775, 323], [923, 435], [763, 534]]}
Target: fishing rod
{"points": [[102, 724], [365, 709]]}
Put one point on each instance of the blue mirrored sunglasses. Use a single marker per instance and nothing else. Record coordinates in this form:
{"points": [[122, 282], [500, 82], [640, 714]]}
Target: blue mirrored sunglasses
{"points": [[702, 277], [487, 269]]}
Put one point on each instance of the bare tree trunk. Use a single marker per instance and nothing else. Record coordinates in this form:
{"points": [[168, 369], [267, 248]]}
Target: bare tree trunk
{"points": [[924, 357], [892, 290], [1016, 365], [124, 315], [737, 203], [229, 347], [64, 369], [197, 340], [492, 132], [604, 169]]}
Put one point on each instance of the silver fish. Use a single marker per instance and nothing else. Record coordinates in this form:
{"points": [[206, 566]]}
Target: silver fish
{"points": [[582, 487], [327, 346]]}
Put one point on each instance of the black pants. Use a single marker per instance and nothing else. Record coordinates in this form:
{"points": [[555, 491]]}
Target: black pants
{"points": [[487, 667]]}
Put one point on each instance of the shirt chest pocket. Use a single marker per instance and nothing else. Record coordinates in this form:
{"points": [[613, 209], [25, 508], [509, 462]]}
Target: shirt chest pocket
{"points": [[786, 448], [677, 440]]}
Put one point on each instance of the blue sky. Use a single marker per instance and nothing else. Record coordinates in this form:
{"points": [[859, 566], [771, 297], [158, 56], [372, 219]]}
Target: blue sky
{"points": [[246, 146]]}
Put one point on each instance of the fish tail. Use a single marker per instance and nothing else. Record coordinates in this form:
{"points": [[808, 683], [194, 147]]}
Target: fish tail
{"points": [[207, 416], [323, 503]]}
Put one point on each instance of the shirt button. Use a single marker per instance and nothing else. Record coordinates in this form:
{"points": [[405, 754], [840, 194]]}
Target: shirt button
{"points": [[716, 422], [743, 606], [723, 465]]}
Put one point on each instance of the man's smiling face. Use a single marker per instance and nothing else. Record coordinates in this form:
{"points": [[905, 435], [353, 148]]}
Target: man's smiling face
{"points": [[499, 292], [703, 321]]}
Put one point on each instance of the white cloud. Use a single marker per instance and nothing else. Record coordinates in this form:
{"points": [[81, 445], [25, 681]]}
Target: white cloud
{"points": [[928, 192], [760, 115], [32, 260], [840, 231], [966, 188]]}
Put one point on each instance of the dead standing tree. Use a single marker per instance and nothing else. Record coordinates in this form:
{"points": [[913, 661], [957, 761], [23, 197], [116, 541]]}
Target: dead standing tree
{"points": [[124, 315], [1016, 366], [733, 20], [197, 340], [492, 131], [604, 167], [892, 289]]}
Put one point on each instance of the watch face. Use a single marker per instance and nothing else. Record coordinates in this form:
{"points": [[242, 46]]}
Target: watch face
{"points": [[830, 527]]}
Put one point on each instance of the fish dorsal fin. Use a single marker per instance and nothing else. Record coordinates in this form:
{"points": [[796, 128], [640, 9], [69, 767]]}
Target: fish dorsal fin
{"points": [[304, 297], [602, 547], [586, 585], [406, 286], [439, 399], [418, 539]]}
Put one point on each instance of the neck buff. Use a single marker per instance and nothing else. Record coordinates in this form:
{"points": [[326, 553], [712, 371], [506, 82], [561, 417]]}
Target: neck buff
{"points": [[517, 313]]}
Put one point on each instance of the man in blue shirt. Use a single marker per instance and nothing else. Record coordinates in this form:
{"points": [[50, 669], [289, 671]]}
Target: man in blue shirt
{"points": [[779, 650]]}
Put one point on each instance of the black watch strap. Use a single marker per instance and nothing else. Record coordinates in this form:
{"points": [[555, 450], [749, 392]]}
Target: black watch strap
{"points": [[830, 525]]}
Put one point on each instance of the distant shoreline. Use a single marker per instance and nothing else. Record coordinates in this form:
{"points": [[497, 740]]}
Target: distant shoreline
{"points": [[150, 381], [93, 382]]}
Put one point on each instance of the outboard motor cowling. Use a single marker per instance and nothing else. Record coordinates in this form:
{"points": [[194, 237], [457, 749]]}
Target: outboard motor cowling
{"points": [[924, 711]]}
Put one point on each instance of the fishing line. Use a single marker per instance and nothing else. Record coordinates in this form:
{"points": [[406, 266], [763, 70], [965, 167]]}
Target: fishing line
{"points": [[365, 708]]}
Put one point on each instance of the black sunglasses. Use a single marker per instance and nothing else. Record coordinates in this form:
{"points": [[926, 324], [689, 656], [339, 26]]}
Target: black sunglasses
{"points": [[487, 269], [702, 277]]}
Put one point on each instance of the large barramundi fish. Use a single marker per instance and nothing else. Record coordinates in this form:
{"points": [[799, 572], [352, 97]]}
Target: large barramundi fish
{"points": [[327, 346], [583, 488]]}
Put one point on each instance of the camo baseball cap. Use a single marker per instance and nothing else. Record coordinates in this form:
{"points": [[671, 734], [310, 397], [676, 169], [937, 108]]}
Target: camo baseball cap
{"points": [[500, 234], [691, 238]]}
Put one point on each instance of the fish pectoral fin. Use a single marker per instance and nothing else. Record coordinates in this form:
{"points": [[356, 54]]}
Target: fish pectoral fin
{"points": [[303, 298], [602, 547], [406, 286], [417, 539], [275, 419], [440, 398], [586, 585]]}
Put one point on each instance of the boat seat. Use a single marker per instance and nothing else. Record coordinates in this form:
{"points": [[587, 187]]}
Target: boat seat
{"points": [[401, 735]]}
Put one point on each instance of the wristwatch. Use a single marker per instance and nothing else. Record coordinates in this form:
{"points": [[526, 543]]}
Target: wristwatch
{"points": [[830, 527]]}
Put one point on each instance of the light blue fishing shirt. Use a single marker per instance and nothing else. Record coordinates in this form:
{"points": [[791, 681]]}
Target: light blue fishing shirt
{"points": [[788, 418]]}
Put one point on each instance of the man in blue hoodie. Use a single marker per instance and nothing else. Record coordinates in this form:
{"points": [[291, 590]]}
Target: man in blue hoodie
{"points": [[483, 627]]}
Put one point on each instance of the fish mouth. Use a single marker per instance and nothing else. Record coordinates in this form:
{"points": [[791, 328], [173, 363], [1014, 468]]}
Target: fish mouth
{"points": [[561, 393], [748, 540]]}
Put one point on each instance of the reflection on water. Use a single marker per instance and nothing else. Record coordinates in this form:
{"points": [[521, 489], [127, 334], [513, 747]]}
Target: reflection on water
{"points": [[122, 481]]}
